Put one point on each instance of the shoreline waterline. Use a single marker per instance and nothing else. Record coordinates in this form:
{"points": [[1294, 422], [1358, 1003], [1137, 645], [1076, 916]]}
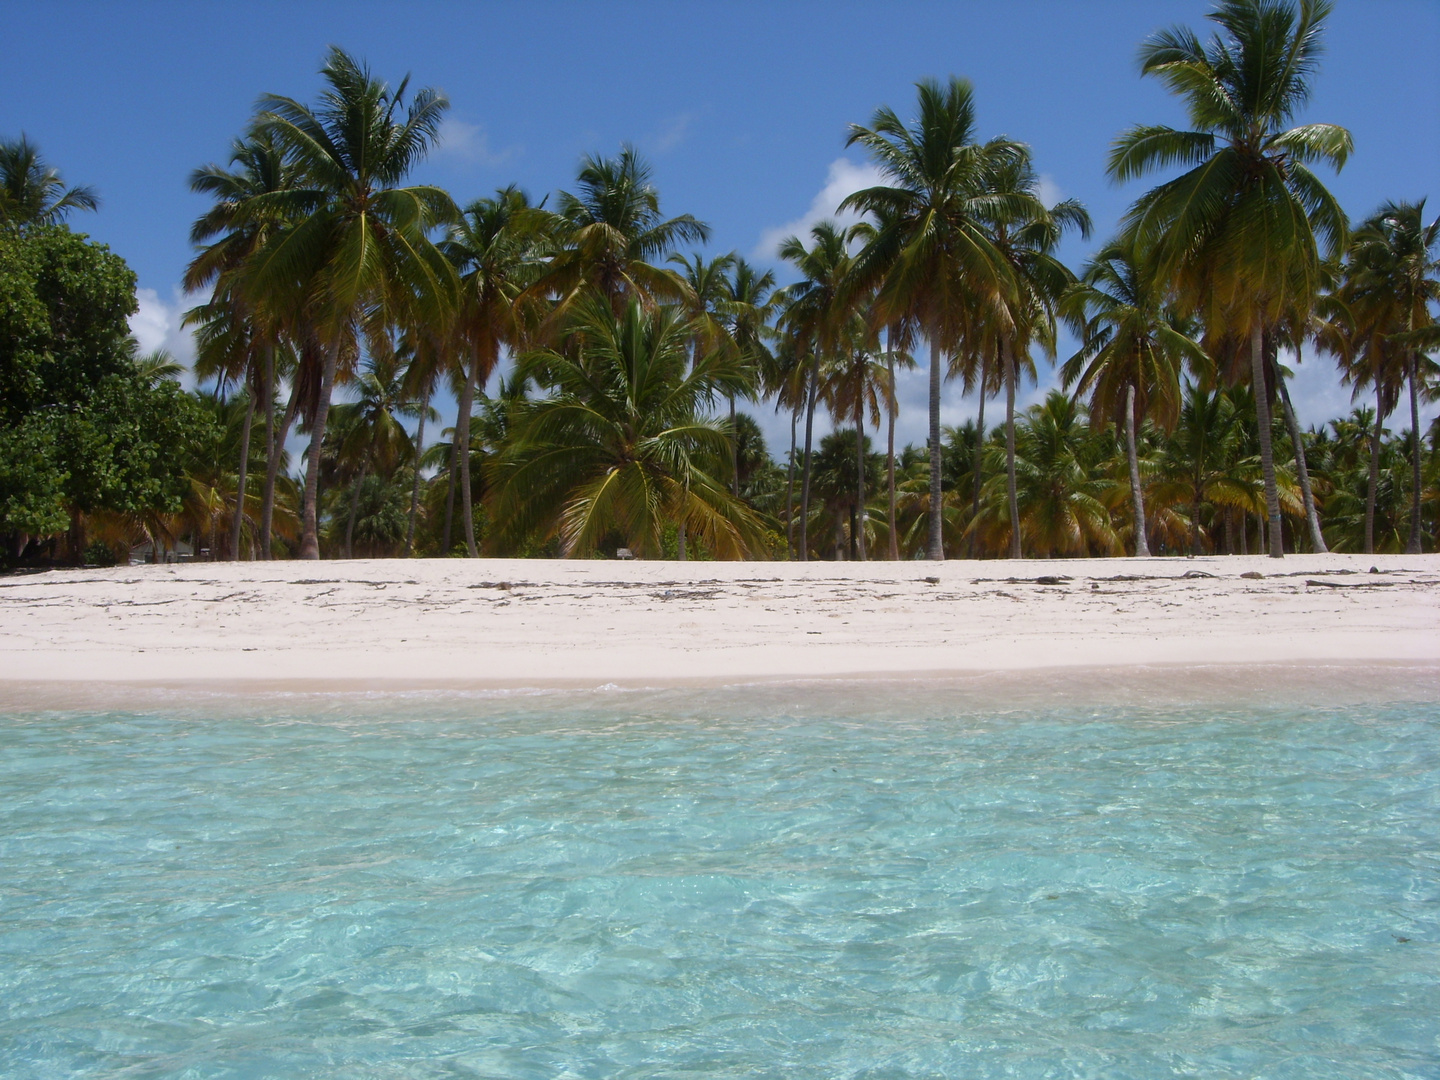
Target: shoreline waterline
{"points": [[1149, 686]]}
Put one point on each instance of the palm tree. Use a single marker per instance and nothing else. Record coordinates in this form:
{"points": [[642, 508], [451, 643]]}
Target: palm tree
{"points": [[1394, 278], [1239, 232], [242, 335], [494, 248], [1203, 459], [1132, 351], [1026, 234], [32, 193], [814, 313], [857, 382], [613, 234], [932, 257], [358, 253], [1057, 483], [622, 444], [371, 435], [748, 305]]}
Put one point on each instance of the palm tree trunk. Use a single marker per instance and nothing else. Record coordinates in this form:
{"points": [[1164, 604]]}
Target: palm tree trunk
{"points": [[857, 530], [936, 548], [790, 488], [734, 451], [892, 407], [1374, 482], [354, 508], [272, 469], [309, 508], [1137, 494], [240, 480], [977, 467], [1302, 467], [813, 392], [415, 484], [682, 543], [1009, 361], [450, 485], [462, 445], [1195, 519], [1267, 453], [1413, 545]]}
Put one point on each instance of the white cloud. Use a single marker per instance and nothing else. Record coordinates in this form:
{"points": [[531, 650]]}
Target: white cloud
{"points": [[1050, 192], [469, 143], [157, 324], [845, 178]]}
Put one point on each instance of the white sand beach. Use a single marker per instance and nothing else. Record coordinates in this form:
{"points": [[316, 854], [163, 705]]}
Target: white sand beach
{"points": [[512, 623]]}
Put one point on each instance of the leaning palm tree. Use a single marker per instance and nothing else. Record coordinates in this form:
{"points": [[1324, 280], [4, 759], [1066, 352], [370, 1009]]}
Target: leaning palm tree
{"points": [[932, 256], [31, 192], [623, 443], [495, 249], [1132, 352], [1394, 278], [1239, 233], [613, 235], [358, 254]]}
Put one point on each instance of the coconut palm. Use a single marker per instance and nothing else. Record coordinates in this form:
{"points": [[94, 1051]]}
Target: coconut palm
{"points": [[1133, 349], [1026, 233], [748, 306], [371, 436], [613, 236], [815, 312], [31, 192], [1394, 273], [358, 254], [1240, 232], [622, 443], [495, 249], [857, 383], [1058, 484], [932, 257], [242, 336]]}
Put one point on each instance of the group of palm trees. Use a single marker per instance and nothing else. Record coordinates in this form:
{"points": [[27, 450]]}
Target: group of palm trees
{"points": [[616, 426]]}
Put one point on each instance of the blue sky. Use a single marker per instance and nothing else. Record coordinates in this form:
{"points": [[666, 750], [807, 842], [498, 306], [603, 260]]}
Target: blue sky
{"points": [[742, 108]]}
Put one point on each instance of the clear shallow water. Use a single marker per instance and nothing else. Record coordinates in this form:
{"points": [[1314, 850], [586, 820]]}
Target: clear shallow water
{"points": [[711, 884]]}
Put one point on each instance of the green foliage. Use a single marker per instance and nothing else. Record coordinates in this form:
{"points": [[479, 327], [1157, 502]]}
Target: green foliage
{"points": [[83, 429]]}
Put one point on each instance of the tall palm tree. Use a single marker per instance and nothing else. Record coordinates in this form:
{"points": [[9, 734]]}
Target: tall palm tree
{"points": [[358, 254], [1133, 349], [1026, 233], [858, 382], [1240, 231], [748, 305], [814, 312], [932, 256], [31, 192], [1394, 279], [495, 249], [231, 321], [623, 443], [613, 236]]}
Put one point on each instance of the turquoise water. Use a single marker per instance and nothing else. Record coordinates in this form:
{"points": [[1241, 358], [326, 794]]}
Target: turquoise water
{"points": [[719, 885]]}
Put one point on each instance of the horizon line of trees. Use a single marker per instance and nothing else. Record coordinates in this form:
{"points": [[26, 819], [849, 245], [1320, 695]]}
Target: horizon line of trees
{"points": [[618, 423]]}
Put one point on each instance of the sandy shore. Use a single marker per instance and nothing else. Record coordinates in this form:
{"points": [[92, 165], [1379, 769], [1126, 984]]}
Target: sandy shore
{"points": [[510, 623]]}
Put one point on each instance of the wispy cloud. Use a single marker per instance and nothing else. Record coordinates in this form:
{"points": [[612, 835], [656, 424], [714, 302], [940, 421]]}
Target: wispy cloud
{"points": [[671, 135], [1050, 192], [845, 177], [470, 143]]}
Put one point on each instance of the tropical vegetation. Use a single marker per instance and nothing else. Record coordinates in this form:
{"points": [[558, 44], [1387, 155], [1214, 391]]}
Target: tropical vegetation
{"points": [[605, 369]]}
